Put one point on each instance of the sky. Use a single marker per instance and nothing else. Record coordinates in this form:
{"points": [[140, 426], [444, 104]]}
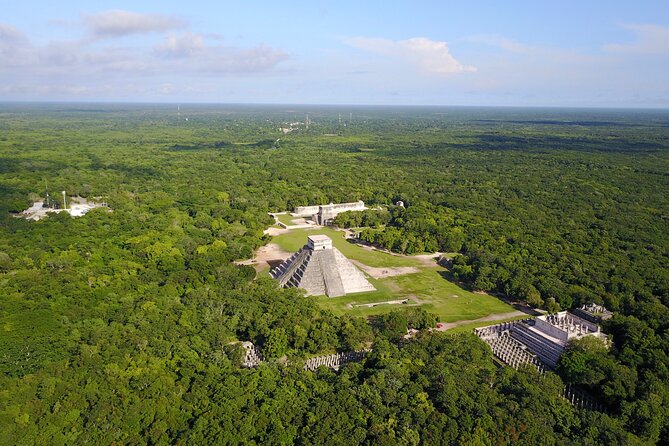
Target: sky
{"points": [[586, 53]]}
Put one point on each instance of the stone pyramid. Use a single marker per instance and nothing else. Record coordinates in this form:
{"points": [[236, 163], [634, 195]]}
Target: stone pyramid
{"points": [[320, 269]]}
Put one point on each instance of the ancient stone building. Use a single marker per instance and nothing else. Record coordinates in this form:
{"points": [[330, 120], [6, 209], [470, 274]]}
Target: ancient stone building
{"points": [[593, 313], [321, 269], [324, 214], [545, 336]]}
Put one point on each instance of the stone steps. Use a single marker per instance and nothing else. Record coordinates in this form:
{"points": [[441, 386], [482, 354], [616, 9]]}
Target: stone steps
{"points": [[549, 352]]}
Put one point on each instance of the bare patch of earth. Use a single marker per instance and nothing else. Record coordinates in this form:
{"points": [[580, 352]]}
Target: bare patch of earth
{"points": [[268, 255], [273, 230], [382, 273]]}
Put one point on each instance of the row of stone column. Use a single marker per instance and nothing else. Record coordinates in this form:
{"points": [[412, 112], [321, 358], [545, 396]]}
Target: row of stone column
{"points": [[493, 331], [253, 358], [582, 400], [336, 360], [510, 351]]}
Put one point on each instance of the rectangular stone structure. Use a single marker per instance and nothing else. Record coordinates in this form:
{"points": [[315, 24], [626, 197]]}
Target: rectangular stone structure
{"points": [[318, 242]]}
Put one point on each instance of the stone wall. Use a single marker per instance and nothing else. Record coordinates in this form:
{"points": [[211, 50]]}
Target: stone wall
{"points": [[551, 330], [321, 214], [328, 212], [305, 211]]}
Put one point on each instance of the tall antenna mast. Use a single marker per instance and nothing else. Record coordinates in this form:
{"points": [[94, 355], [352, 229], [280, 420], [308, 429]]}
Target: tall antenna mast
{"points": [[178, 113], [339, 119], [64, 201], [307, 121]]}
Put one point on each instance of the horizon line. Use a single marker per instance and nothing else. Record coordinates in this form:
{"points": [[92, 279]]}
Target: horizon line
{"points": [[368, 105]]}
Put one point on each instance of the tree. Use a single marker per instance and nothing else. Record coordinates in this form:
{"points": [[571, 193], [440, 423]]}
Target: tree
{"points": [[276, 344], [392, 325]]}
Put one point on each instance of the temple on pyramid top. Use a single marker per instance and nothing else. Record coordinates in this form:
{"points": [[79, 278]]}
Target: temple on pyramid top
{"points": [[319, 242], [321, 269]]}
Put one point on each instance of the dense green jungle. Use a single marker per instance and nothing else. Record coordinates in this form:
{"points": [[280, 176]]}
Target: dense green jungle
{"points": [[118, 327]]}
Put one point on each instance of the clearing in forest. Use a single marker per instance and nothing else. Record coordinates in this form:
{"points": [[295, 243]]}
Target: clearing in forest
{"points": [[397, 278]]}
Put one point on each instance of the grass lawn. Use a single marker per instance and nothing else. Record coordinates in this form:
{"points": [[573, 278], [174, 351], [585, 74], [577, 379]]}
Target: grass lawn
{"points": [[470, 327], [292, 241], [286, 219], [436, 294]]}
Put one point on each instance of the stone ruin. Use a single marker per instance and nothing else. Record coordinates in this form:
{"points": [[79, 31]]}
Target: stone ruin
{"points": [[324, 214], [509, 350], [321, 269], [593, 312], [545, 337], [336, 360], [253, 358], [540, 342]]}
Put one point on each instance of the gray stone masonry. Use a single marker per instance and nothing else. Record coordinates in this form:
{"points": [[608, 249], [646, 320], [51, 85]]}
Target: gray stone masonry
{"points": [[320, 269], [253, 356]]}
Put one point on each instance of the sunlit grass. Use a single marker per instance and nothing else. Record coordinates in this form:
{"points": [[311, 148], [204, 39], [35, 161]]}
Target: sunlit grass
{"points": [[286, 219], [429, 288]]}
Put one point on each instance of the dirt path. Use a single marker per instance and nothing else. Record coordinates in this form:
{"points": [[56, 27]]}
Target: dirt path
{"points": [[489, 318], [426, 259]]}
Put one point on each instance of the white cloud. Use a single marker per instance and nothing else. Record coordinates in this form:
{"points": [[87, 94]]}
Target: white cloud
{"points": [[650, 39], [93, 66], [200, 57], [429, 56], [117, 23], [11, 35], [181, 46], [15, 48]]}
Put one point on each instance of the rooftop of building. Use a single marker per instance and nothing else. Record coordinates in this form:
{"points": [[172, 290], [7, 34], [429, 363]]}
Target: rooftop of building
{"points": [[319, 238]]}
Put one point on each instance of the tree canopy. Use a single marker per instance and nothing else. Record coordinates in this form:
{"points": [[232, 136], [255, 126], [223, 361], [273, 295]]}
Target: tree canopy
{"points": [[119, 326]]}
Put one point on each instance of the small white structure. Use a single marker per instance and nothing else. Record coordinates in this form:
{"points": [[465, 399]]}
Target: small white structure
{"points": [[565, 326], [76, 207]]}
